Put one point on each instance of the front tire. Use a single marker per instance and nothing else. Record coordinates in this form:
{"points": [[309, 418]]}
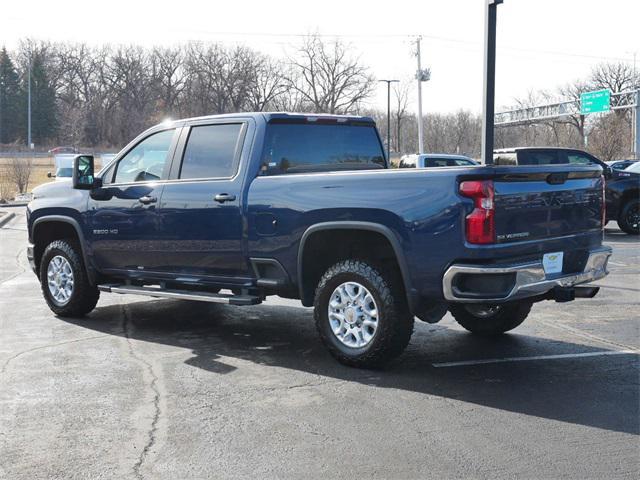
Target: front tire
{"points": [[64, 281], [490, 319], [361, 314], [629, 220]]}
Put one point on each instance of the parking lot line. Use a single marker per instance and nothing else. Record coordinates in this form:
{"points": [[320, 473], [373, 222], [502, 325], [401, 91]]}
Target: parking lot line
{"points": [[535, 357]]}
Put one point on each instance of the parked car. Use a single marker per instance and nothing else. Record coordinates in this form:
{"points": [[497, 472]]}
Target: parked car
{"points": [[64, 166], [429, 160], [621, 164], [306, 207], [621, 196], [59, 150]]}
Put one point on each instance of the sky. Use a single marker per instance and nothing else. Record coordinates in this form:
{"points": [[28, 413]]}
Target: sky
{"points": [[542, 44]]}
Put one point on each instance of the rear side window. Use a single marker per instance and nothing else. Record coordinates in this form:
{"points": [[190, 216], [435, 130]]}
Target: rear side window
{"points": [[541, 157], [211, 151], [438, 162], [460, 162], [310, 147], [579, 159]]}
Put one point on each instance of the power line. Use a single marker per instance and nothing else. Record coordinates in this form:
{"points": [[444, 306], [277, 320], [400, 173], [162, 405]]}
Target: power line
{"points": [[409, 37]]}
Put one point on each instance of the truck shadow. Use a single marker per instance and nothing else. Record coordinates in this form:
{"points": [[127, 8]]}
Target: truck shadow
{"points": [[617, 235], [599, 391]]}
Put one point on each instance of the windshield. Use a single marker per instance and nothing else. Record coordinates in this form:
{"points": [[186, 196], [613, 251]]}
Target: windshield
{"points": [[64, 172], [310, 147]]}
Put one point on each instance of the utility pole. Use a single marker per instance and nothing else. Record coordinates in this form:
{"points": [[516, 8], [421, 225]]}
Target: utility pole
{"points": [[421, 76], [389, 82], [420, 133], [29, 107], [488, 104], [635, 118]]}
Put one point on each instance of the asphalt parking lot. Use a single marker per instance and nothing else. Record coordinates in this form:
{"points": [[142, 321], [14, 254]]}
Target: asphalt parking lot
{"points": [[163, 389]]}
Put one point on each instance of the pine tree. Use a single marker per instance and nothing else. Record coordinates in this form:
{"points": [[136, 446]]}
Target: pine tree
{"points": [[11, 115], [44, 122]]}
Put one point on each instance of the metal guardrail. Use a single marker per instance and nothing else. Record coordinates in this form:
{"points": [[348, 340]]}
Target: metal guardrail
{"points": [[25, 154]]}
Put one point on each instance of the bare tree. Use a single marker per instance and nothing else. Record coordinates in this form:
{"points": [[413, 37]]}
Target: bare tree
{"points": [[327, 78], [605, 140], [401, 100], [168, 69], [19, 171], [268, 86]]}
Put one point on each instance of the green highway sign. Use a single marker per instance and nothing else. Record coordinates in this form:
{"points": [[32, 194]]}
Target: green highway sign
{"points": [[595, 102]]}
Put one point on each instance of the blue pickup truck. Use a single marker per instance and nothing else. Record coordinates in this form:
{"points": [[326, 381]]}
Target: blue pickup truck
{"points": [[234, 208]]}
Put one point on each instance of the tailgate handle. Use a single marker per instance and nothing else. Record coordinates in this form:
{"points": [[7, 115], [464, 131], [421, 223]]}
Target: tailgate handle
{"points": [[556, 178]]}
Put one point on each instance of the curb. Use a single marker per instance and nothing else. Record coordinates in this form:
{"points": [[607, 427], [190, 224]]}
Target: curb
{"points": [[13, 205], [6, 218]]}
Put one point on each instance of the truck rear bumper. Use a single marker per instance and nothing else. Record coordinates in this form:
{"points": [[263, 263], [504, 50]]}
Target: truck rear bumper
{"points": [[503, 283]]}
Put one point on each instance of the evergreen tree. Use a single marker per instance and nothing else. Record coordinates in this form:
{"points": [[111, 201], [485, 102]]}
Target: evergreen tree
{"points": [[11, 114], [44, 122]]}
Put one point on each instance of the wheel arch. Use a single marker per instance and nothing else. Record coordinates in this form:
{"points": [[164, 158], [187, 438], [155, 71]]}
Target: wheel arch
{"points": [[356, 226], [56, 227]]}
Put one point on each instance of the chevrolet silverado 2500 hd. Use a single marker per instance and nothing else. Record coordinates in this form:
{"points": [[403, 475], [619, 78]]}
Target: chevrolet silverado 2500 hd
{"points": [[234, 208]]}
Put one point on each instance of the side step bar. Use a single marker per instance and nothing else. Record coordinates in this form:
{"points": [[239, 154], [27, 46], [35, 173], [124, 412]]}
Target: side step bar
{"points": [[182, 294]]}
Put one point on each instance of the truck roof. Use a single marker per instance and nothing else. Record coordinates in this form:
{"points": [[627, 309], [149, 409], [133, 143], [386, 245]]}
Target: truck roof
{"points": [[517, 149], [268, 116]]}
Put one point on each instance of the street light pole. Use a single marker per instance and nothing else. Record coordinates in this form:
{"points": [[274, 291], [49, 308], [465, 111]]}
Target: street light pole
{"points": [[488, 105], [389, 82]]}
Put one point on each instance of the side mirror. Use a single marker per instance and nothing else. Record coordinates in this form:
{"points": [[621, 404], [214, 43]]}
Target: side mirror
{"points": [[608, 172], [49, 175], [83, 167]]}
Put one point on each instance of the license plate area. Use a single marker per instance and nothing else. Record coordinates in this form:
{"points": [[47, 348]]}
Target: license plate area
{"points": [[552, 262]]}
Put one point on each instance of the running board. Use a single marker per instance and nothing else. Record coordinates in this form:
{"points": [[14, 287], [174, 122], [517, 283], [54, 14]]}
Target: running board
{"points": [[182, 294]]}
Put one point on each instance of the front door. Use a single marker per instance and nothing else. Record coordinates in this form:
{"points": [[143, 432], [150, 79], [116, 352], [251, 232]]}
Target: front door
{"points": [[201, 208], [123, 221]]}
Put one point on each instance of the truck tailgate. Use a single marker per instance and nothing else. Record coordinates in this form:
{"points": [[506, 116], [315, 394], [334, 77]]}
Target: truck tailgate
{"points": [[536, 204]]}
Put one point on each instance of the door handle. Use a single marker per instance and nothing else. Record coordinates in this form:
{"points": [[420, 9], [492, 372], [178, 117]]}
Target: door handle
{"points": [[224, 197], [146, 200]]}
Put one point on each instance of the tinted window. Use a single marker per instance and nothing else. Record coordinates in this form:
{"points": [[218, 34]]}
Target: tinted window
{"points": [[295, 148], [146, 161], [535, 157], [211, 151], [438, 162], [460, 162], [579, 159]]}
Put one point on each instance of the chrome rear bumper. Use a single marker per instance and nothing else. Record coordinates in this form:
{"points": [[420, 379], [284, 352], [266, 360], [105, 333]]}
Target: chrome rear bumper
{"points": [[530, 278]]}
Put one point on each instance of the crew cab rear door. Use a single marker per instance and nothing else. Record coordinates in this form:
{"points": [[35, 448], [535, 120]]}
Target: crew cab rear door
{"points": [[201, 208]]}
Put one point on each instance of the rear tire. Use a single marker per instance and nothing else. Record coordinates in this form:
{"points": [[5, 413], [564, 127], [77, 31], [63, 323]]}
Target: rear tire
{"points": [[64, 281], [362, 314], [490, 319], [629, 219]]}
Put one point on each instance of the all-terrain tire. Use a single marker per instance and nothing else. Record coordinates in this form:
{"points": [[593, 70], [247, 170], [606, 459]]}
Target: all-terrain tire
{"points": [[395, 322], [84, 296], [628, 219], [505, 317]]}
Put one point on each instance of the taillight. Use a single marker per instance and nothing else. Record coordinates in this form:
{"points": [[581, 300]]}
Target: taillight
{"points": [[480, 224], [603, 209]]}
